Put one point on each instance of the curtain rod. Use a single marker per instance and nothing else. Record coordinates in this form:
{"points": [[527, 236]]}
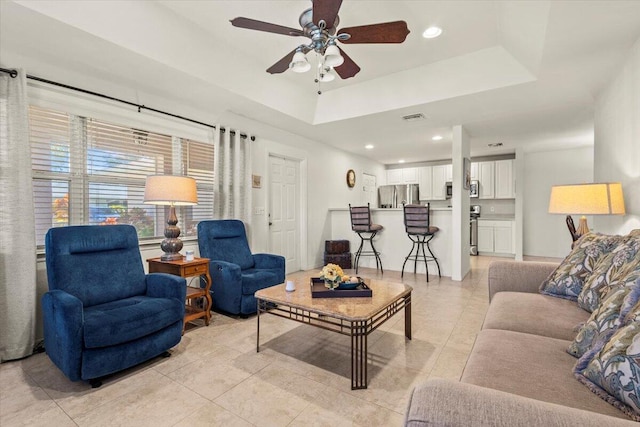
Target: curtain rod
{"points": [[140, 107]]}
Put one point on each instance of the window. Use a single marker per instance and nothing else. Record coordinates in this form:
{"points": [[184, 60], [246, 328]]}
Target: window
{"points": [[86, 171]]}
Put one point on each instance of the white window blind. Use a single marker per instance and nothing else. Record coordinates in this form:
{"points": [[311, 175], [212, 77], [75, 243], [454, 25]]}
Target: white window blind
{"points": [[87, 171]]}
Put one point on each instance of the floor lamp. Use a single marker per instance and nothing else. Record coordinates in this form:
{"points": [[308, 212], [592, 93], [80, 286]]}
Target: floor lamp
{"points": [[172, 191], [586, 199]]}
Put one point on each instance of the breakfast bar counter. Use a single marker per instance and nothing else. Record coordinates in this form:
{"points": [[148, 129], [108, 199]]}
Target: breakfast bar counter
{"points": [[392, 242]]}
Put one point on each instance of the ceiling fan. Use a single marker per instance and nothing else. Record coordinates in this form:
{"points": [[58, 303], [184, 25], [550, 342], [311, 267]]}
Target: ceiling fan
{"points": [[319, 23]]}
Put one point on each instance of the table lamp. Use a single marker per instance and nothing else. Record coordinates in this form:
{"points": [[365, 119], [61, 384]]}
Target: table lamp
{"points": [[586, 199], [172, 191]]}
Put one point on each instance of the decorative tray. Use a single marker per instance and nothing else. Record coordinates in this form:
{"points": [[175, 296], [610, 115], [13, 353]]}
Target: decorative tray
{"points": [[318, 290]]}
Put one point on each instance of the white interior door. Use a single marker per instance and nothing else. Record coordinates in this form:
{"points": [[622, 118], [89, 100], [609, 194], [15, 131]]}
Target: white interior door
{"points": [[284, 208], [369, 188]]}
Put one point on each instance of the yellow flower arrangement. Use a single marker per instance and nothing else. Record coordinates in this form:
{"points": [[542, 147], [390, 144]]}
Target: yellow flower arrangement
{"points": [[332, 275]]}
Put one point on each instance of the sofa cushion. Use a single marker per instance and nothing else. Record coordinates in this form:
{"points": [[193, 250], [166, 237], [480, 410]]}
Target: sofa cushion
{"points": [[568, 279], [530, 366], [534, 314], [602, 321], [613, 269], [612, 368], [128, 319], [430, 404]]}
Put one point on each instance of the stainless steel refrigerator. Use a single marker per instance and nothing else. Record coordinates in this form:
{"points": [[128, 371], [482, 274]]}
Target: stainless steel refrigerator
{"points": [[393, 196]]}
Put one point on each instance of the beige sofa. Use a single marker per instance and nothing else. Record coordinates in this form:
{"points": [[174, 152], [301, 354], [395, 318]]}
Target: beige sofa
{"points": [[518, 373]]}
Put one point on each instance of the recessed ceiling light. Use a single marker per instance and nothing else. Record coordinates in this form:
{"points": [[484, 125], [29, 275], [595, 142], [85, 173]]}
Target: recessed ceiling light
{"points": [[437, 138], [432, 32], [400, 161], [368, 146]]}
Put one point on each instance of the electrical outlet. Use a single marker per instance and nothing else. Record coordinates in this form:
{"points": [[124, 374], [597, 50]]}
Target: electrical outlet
{"points": [[492, 209]]}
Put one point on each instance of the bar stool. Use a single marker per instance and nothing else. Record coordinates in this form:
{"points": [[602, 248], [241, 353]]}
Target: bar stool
{"points": [[361, 224], [420, 232]]}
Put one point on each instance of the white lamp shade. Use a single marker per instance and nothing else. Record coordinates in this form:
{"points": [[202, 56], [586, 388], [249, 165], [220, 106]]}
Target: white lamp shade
{"points": [[299, 63], [327, 76], [170, 190], [587, 199], [332, 57]]}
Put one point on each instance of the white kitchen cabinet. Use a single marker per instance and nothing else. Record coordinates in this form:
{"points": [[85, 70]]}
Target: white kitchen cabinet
{"points": [[486, 171], [485, 237], [409, 176], [425, 183], [503, 237], [394, 176], [402, 176], [496, 236], [504, 180], [448, 173], [439, 179], [474, 171]]}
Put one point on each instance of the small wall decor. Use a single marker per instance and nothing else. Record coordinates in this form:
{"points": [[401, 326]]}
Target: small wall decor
{"points": [[466, 179], [256, 181], [351, 178]]}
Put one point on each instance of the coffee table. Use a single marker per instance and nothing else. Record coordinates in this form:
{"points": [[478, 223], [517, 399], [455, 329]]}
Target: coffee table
{"points": [[355, 317]]}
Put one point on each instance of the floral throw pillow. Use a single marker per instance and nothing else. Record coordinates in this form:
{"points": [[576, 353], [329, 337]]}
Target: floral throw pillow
{"points": [[567, 280], [603, 320], [612, 368], [610, 271]]}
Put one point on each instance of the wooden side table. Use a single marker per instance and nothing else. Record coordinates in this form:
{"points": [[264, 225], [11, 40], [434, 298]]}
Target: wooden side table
{"points": [[182, 268]]}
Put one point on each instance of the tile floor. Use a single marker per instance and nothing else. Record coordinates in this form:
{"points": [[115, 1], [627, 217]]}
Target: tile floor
{"points": [[301, 376]]}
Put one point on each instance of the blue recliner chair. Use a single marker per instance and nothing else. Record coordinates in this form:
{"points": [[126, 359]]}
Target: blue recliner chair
{"points": [[102, 314], [235, 272]]}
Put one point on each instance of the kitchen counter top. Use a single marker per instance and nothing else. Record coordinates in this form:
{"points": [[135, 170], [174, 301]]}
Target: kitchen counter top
{"points": [[497, 217], [388, 209], [392, 242]]}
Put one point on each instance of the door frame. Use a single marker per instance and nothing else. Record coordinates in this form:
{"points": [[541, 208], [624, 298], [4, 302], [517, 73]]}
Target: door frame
{"points": [[302, 208]]}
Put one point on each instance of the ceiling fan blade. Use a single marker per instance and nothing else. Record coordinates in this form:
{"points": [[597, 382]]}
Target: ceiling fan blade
{"points": [[282, 65], [252, 24], [387, 32], [326, 10], [348, 68]]}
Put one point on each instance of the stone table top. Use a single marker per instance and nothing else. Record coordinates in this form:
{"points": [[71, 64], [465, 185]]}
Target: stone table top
{"points": [[348, 308]]}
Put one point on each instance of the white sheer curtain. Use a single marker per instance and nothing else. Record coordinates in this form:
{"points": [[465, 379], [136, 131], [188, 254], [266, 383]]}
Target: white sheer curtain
{"points": [[17, 230], [232, 183]]}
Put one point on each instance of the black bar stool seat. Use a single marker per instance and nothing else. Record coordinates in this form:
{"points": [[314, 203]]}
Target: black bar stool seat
{"points": [[361, 224], [420, 232]]}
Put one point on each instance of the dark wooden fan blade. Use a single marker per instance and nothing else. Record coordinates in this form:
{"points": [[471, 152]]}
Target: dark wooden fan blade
{"points": [[282, 65], [348, 68], [252, 24], [326, 10], [387, 32]]}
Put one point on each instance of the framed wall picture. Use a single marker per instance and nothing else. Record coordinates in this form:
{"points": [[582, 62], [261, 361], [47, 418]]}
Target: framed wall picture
{"points": [[256, 181], [351, 178], [466, 179]]}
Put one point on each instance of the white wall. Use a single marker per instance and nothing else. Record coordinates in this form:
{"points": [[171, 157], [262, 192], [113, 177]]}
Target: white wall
{"points": [[546, 234], [617, 142], [323, 169]]}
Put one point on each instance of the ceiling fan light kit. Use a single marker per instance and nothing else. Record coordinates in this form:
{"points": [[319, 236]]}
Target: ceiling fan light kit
{"points": [[319, 23], [332, 57], [299, 63]]}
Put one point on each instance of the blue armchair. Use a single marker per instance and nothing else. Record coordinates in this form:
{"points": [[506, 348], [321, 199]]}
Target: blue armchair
{"points": [[102, 314], [236, 273]]}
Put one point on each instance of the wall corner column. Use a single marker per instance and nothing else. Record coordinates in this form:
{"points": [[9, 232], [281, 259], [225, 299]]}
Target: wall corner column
{"points": [[460, 242]]}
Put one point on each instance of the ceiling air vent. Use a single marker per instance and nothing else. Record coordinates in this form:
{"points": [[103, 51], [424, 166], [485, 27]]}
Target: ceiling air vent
{"points": [[413, 117]]}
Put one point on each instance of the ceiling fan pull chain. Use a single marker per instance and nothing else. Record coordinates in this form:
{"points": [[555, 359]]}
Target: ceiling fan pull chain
{"points": [[319, 71]]}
